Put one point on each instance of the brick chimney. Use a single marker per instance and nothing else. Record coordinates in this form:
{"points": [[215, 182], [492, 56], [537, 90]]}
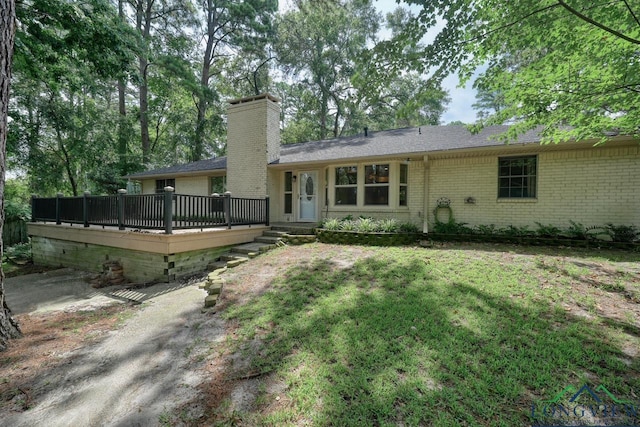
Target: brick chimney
{"points": [[253, 141]]}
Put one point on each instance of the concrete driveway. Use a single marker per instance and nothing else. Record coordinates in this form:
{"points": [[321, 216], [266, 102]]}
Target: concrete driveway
{"points": [[66, 289], [138, 373]]}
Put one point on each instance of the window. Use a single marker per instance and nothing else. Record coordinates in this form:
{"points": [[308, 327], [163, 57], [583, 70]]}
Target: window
{"points": [[404, 183], [161, 183], [346, 185], [376, 184], [517, 177], [288, 192], [218, 184]]}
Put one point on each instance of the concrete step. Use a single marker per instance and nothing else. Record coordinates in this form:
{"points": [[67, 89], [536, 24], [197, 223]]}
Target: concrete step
{"points": [[233, 256], [216, 265], [270, 240], [273, 233], [295, 229], [249, 248]]}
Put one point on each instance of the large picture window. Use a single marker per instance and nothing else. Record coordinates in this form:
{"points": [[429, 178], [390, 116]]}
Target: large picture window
{"points": [[517, 177], [161, 183], [346, 185], [376, 184]]}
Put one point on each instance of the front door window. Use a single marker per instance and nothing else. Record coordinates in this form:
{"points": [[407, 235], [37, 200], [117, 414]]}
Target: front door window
{"points": [[308, 195]]}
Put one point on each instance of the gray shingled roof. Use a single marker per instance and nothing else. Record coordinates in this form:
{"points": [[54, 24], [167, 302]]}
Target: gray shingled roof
{"points": [[216, 163], [397, 142]]}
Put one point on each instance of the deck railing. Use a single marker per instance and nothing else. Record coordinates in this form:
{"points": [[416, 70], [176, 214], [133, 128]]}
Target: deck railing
{"points": [[166, 211]]}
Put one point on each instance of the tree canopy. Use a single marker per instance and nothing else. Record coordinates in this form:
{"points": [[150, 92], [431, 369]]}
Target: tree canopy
{"points": [[570, 66], [104, 88]]}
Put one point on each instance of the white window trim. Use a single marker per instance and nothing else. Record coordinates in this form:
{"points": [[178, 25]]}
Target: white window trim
{"points": [[394, 187]]}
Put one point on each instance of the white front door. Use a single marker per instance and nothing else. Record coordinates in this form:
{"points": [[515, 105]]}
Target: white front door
{"points": [[308, 196]]}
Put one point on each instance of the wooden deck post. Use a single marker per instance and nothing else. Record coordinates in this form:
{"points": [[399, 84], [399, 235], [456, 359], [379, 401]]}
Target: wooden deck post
{"points": [[121, 193], [58, 197], [227, 208], [85, 208], [168, 210]]}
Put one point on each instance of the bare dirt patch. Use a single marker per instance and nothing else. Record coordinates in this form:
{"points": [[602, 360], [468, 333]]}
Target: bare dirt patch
{"points": [[48, 342]]}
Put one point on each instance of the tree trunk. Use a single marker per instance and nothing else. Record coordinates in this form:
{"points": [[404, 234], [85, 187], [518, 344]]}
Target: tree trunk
{"points": [[143, 25], [144, 112], [123, 134], [8, 326], [203, 102]]}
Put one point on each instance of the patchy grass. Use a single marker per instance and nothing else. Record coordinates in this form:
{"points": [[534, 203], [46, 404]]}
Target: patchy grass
{"points": [[457, 335]]}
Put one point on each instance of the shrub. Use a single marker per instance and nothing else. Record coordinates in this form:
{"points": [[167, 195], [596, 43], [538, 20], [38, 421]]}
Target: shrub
{"points": [[548, 231], [389, 225], [452, 227], [576, 231], [408, 227], [369, 225], [20, 251], [622, 233], [486, 229], [515, 231], [366, 225], [348, 225], [331, 224]]}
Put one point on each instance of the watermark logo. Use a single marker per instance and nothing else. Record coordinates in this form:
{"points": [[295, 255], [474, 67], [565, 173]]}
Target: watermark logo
{"points": [[586, 406]]}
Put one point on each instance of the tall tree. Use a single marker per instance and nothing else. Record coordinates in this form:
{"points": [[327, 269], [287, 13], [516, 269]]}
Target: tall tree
{"points": [[231, 28], [8, 326], [319, 45], [70, 53], [556, 62], [157, 22], [323, 47]]}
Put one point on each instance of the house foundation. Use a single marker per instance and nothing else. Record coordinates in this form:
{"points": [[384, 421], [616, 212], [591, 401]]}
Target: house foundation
{"points": [[144, 256]]}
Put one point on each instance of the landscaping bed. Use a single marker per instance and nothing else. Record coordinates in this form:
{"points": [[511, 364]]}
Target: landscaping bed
{"points": [[367, 231], [535, 241]]}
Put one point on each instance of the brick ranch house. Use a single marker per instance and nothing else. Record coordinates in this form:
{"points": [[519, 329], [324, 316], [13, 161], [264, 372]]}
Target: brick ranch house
{"points": [[403, 173]]}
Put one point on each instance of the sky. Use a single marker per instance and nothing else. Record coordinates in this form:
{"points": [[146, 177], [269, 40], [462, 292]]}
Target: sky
{"points": [[461, 98]]}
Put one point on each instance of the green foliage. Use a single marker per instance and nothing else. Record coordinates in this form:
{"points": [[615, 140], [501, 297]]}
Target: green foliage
{"points": [[541, 63], [20, 251], [486, 229], [331, 224], [622, 233], [611, 232], [452, 227], [321, 45], [16, 211], [369, 225], [389, 225], [577, 231], [409, 227], [348, 225]]}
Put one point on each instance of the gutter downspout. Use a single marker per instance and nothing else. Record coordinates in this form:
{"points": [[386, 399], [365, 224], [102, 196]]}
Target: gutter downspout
{"points": [[425, 218]]}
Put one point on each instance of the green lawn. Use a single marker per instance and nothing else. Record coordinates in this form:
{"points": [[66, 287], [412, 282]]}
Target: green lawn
{"points": [[457, 335]]}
